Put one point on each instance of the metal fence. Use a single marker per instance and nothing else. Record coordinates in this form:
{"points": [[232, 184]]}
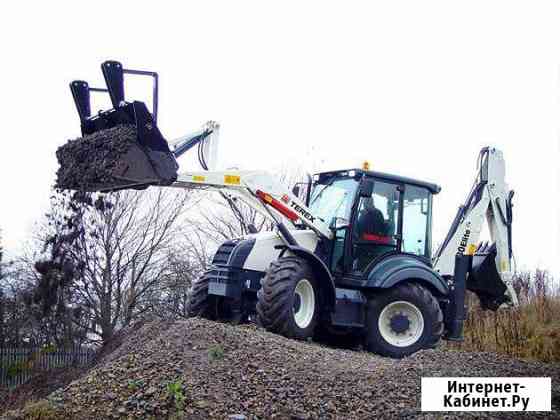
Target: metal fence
{"points": [[17, 366]]}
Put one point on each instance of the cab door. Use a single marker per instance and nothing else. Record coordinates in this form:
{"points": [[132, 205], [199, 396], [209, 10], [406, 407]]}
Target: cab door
{"points": [[376, 224]]}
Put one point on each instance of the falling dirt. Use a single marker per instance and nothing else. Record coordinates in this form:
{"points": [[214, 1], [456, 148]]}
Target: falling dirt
{"points": [[90, 161]]}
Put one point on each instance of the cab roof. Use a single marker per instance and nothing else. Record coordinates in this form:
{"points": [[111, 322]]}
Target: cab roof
{"points": [[433, 188]]}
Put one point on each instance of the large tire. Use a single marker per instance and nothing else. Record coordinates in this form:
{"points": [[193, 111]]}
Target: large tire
{"points": [[288, 301], [199, 303], [403, 320], [215, 308]]}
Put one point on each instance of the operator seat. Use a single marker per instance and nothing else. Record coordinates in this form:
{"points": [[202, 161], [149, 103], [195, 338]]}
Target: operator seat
{"points": [[371, 237], [371, 223]]}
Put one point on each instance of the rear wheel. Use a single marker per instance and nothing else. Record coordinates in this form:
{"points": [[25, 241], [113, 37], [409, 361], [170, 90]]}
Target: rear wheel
{"points": [[288, 301], [217, 308], [403, 320], [199, 303]]}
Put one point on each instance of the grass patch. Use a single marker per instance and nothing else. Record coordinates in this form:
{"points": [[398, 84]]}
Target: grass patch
{"points": [[175, 392], [216, 353], [42, 410], [134, 385]]}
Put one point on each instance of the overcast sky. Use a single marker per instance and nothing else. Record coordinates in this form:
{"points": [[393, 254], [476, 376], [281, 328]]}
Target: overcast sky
{"points": [[416, 88]]}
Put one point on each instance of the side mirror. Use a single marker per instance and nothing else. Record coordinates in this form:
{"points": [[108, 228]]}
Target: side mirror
{"points": [[424, 206], [296, 190], [366, 188], [338, 223]]}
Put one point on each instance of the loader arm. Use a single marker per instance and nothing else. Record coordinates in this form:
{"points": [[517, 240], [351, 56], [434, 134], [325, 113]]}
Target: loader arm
{"points": [[262, 192], [490, 200]]}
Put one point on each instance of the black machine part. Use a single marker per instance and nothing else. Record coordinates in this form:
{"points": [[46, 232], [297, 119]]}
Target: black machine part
{"points": [[148, 161], [478, 274], [484, 279], [113, 73], [456, 311]]}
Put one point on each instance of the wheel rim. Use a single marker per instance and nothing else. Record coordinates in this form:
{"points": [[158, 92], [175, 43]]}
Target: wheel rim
{"points": [[304, 303], [401, 323]]}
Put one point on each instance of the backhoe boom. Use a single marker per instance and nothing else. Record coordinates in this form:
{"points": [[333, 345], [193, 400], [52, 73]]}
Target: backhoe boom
{"points": [[490, 200]]}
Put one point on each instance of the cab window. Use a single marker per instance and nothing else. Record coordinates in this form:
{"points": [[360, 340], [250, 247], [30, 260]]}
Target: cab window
{"points": [[330, 200], [333, 199], [417, 209]]}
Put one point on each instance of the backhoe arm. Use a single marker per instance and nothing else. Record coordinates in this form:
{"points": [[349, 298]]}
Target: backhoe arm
{"points": [[490, 200]]}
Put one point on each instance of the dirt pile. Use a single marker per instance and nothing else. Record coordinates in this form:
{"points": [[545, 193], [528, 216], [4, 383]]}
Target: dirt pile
{"points": [[90, 161], [198, 369], [40, 386], [44, 383]]}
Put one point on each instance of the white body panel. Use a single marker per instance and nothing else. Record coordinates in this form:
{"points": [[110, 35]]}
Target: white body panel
{"points": [[264, 251]]}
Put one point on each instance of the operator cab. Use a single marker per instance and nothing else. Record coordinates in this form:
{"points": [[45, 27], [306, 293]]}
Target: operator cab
{"points": [[373, 214]]}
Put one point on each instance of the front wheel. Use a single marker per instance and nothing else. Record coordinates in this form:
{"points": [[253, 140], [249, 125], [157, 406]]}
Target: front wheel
{"points": [[403, 320], [288, 301]]}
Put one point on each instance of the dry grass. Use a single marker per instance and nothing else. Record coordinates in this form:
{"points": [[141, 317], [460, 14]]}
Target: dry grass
{"points": [[530, 331]]}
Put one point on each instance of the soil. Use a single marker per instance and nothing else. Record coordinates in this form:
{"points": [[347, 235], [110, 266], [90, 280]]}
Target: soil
{"points": [[41, 385], [88, 162], [243, 372]]}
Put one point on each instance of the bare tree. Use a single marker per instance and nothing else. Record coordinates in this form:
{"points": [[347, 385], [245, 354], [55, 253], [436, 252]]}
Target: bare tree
{"points": [[225, 217], [125, 255], [2, 298], [111, 254], [170, 299]]}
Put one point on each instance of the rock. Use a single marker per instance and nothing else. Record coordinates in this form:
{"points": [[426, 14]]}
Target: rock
{"points": [[110, 396], [201, 404], [150, 391]]}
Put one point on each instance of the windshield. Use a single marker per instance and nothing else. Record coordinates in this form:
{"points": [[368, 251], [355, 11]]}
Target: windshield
{"points": [[333, 199]]}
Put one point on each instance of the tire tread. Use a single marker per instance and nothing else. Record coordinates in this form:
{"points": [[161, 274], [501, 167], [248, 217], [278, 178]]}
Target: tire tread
{"points": [[274, 304]]}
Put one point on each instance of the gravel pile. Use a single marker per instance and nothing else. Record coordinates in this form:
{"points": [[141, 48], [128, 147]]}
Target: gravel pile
{"points": [[89, 161], [227, 372], [41, 385]]}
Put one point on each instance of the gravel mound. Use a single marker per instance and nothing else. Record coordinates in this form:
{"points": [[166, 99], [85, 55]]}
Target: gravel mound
{"points": [[243, 372], [90, 160], [40, 386]]}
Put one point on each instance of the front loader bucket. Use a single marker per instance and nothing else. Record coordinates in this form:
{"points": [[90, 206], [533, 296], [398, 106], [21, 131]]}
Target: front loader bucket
{"points": [[121, 148], [484, 279]]}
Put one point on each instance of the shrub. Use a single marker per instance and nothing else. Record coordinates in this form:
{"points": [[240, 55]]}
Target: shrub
{"points": [[216, 352], [175, 391], [531, 330], [16, 368]]}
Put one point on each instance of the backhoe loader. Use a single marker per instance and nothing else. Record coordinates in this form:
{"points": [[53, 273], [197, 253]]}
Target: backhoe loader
{"points": [[351, 252]]}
